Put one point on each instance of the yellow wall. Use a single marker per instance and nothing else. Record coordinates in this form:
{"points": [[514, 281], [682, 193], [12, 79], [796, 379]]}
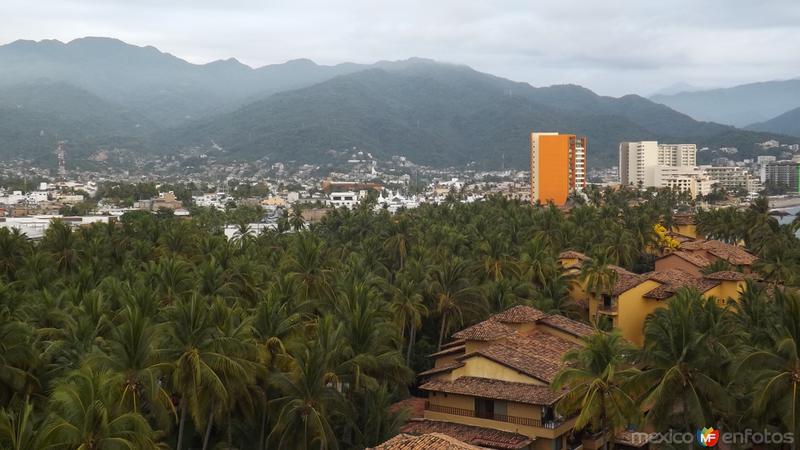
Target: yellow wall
{"points": [[686, 230], [726, 290], [478, 366], [633, 309]]}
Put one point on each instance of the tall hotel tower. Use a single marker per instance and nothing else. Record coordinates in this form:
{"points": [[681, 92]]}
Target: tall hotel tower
{"points": [[558, 166]]}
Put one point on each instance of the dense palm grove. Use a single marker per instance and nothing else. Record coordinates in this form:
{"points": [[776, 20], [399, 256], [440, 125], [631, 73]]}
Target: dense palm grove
{"points": [[159, 332]]}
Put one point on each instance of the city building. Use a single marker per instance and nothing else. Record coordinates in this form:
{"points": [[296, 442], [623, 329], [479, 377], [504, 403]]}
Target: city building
{"points": [[784, 173], [636, 157], [557, 166], [732, 178], [680, 178]]}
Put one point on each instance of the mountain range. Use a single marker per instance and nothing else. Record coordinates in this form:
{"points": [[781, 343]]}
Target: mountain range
{"points": [[102, 93], [739, 105]]}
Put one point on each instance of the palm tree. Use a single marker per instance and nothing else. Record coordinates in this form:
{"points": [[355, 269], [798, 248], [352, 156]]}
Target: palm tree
{"points": [[686, 355], [455, 299], [598, 376], [773, 373], [86, 415], [22, 429], [598, 274], [200, 365], [408, 308], [308, 404], [134, 351]]}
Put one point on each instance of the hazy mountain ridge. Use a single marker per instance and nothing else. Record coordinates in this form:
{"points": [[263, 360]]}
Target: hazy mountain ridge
{"points": [[786, 123], [435, 113], [440, 114], [739, 105]]}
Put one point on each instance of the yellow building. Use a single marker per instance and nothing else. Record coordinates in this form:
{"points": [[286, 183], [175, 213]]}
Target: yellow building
{"points": [[495, 376], [635, 296]]}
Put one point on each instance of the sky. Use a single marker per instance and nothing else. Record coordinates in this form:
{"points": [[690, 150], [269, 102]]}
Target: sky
{"points": [[614, 47]]}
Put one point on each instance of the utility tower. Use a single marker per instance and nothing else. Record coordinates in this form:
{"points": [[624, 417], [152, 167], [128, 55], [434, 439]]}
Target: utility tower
{"points": [[62, 164]]}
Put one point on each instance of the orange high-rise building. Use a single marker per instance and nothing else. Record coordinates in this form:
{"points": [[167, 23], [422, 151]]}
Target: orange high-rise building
{"points": [[558, 166]]}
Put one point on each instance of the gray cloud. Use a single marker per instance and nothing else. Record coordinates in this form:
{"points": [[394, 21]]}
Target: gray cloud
{"points": [[614, 47]]}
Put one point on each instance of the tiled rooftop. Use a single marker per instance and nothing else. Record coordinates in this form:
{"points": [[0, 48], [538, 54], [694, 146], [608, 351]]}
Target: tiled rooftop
{"points": [[488, 330], [727, 275], [567, 325], [496, 389], [441, 369], [733, 254], [674, 279], [432, 441], [484, 437], [519, 314], [692, 258]]}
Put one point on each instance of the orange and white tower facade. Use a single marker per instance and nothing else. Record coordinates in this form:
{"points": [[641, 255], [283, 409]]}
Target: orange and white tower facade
{"points": [[558, 166]]}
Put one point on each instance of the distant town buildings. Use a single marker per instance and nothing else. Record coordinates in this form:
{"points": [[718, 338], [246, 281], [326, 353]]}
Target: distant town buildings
{"points": [[557, 166], [636, 157], [784, 173]]}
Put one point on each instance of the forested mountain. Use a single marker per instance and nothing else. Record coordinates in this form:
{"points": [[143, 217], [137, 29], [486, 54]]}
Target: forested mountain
{"points": [[168, 89], [101, 93], [786, 123], [34, 116], [440, 114], [738, 105]]}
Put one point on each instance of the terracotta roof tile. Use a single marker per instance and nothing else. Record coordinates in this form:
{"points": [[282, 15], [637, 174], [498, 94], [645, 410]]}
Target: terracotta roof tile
{"points": [[447, 351], [488, 330], [692, 258], [519, 314], [568, 325], [497, 389], [441, 369], [484, 437], [732, 253], [432, 441], [625, 280], [674, 279], [727, 275], [535, 355]]}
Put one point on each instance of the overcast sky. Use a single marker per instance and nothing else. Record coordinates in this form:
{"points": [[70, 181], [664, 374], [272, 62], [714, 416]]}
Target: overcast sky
{"points": [[613, 46]]}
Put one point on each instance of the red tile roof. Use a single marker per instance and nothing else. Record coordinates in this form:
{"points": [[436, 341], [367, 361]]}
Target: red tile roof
{"points": [[732, 253], [529, 357], [519, 314], [568, 325], [727, 275], [692, 258], [488, 330], [625, 280], [432, 441], [674, 279], [441, 369], [447, 351], [496, 389], [484, 437]]}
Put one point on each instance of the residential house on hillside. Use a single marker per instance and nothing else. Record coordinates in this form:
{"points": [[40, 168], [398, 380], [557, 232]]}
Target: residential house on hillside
{"points": [[634, 296]]}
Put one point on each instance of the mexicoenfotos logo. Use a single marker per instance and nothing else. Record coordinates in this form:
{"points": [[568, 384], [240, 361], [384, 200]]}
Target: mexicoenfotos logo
{"points": [[708, 437]]}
